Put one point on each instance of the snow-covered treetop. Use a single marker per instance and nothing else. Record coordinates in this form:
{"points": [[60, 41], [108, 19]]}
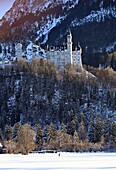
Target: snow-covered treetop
{"points": [[1, 145]]}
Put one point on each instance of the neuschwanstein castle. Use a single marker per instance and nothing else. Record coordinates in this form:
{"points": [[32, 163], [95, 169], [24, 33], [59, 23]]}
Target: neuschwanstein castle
{"points": [[61, 57], [58, 56]]}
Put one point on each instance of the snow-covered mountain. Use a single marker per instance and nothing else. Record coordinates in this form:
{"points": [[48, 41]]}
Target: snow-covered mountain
{"points": [[39, 17], [92, 22]]}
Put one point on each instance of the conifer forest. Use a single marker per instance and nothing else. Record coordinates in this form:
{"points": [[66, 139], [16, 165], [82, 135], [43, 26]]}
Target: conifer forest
{"points": [[71, 110]]}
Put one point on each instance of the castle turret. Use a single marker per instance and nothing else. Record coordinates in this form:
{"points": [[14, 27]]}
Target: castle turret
{"points": [[18, 50], [2, 62], [69, 48], [65, 56]]}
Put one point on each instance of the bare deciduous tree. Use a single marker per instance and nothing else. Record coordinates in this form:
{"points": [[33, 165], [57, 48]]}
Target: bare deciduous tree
{"points": [[26, 139]]}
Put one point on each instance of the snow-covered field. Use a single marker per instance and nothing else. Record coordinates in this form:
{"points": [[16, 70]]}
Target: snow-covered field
{"points": [[69, 161]]}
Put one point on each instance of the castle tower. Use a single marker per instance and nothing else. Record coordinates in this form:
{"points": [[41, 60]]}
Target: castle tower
{"points": [[18, 50], [69, 48], [2, 63]]}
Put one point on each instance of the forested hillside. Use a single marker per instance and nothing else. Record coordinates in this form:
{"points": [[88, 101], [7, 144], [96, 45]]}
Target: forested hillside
{"points": [[36, 93]]}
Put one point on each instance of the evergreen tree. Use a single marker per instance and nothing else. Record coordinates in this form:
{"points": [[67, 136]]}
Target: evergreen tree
{"points": [[71, 127], [82, 130], [8, 132], [71, 122], [106, 131], [16, 129], [39, 134], [98, 128], [63, 138], [46, 134], [1, 135], [91, 129], [76, 137], [52, 132], [113, 133], [63, 128]]}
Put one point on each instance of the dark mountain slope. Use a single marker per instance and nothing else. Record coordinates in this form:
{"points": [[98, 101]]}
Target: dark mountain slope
{"points": [[93, 23]]}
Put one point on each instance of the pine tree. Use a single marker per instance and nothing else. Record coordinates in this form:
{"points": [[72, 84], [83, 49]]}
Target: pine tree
{"points": [[16, 129], [63, 138], [76, 137], [62, 135], [71, 127], [98, 128], [8, 132], [46, 134], [39, 134], [91, 129], [106, 131], [52, 132], [81, 130], [113, 133], [91, 132], [63, 128], [1, 135]]}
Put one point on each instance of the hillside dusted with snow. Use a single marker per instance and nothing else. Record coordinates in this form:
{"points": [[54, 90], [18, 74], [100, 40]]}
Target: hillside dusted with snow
{"points": [[93, 24], [62, 103]]}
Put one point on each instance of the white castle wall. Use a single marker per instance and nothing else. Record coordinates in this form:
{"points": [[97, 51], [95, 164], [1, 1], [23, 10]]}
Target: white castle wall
{"points": [[18, 50], [76, 57], [60, 58]]}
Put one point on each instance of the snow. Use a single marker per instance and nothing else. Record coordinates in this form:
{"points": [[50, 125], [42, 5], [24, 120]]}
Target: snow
{"points": [[47, 27], [36, 24], [111, 47], [33, 51], [51, 161], [32, 6], [1, 145], [1, 55], [1, 23], [97, 16]]}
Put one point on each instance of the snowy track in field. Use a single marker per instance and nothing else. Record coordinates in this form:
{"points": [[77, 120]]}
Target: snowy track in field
{"points": [[69, 161]]}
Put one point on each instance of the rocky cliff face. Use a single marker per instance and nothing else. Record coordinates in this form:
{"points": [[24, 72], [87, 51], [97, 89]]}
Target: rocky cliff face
{"points": [[92, 22]]}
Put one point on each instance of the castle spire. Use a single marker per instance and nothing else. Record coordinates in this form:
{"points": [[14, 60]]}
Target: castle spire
{"points": [[69, 46]]}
